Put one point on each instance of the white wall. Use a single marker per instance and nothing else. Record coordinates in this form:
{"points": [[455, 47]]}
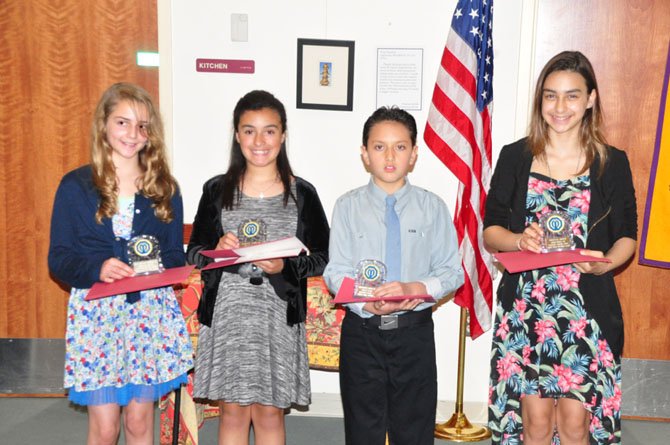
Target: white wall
{"points": [[324, 145]]}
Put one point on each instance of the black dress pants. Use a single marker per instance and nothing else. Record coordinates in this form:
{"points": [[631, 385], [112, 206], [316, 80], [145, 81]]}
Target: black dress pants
{"points": [[388, 382]]}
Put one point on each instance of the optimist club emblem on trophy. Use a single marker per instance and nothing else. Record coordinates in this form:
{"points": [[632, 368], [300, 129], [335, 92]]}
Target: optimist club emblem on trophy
{"points": [[144, 255], [252, 231], [557, 232], [370, 274]]}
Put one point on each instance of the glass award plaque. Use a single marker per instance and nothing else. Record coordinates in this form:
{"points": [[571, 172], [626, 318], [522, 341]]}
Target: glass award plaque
{"points": [[252, 231], [144, 255], [557, 230], [370, 274]]}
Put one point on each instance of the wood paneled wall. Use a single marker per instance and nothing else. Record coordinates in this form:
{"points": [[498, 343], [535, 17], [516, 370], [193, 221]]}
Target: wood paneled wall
{"points": [[56, 59], [627, 43]]}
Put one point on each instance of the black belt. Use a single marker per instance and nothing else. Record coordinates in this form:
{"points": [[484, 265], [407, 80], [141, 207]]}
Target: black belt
{"points": [[388, 322]]}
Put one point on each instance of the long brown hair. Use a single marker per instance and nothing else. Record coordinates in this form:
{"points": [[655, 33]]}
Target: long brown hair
{"points": [[253, 101], [590, 131], [156, 182]]}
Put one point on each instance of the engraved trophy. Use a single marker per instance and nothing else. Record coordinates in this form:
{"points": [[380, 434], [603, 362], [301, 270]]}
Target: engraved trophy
{"points": [[370, 274], [252, 231], [557, 232], [144, 255]]}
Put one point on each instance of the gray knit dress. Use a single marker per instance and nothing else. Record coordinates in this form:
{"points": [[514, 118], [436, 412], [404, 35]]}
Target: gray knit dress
{"points": [[249, 354]]}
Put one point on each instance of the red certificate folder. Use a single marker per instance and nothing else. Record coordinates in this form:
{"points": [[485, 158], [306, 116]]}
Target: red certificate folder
{"points": [[524, 260], [283, 248], [140, 282], [346, 295]]}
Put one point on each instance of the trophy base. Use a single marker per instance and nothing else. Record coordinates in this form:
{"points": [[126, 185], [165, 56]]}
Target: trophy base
{"points": [[556, 249], [363, 292], [459, 429]]}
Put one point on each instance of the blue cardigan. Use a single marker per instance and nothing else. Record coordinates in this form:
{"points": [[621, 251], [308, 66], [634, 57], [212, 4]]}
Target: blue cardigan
{"points": [[79, 245]]}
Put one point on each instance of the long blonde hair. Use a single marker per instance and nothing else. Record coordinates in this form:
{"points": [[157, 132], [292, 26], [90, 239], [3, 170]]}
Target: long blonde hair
{"points": [[591, 136], [156, 182]]}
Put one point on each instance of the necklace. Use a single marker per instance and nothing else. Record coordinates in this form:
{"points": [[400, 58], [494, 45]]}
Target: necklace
{"points": [[551, 180], [261, 193], [551, 177]]}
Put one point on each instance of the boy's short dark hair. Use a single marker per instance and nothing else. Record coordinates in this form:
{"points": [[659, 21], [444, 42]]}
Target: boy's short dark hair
{"points": [[393, 114]]}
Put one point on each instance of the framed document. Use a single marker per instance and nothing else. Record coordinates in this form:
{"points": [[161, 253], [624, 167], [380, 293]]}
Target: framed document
{"points": [[399, 77]]}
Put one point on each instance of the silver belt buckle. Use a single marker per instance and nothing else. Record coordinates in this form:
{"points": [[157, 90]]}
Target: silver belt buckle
{"points": [[388, 322]]}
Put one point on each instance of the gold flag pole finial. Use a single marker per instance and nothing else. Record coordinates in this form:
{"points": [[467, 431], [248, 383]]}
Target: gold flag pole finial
{"points": [[458, 428]]}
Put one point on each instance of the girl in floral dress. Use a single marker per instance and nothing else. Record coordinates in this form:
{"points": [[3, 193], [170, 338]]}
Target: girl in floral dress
{"points": [[125, 350], [558, 336]]}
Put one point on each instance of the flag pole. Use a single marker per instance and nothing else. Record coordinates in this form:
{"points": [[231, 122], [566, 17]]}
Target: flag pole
{"points": [[458, 428]]}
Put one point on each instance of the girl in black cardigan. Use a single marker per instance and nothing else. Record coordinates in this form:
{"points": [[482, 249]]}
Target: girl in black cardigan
{"points": [[555, 369], [252, 353]]}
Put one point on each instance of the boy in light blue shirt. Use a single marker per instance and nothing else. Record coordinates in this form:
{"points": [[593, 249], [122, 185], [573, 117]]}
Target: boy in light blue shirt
{"points": [[388, 376]]}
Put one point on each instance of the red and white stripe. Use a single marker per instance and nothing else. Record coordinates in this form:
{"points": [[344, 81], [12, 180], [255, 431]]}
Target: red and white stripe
{"points": [[460, 137]]}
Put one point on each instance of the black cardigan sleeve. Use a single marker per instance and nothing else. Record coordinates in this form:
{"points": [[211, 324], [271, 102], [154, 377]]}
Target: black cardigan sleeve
{"points": [[505, 202], [206, 225], [205, 235], [499, 198], [314, 232], [623, 222], [291, 284]]}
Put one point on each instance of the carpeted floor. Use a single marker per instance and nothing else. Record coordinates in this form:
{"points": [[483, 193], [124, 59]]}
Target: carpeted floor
{"points": [[52, 421]]}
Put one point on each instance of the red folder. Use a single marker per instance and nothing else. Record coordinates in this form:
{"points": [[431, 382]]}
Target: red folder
{"points": [[346, 295], [140, 282], [524, 260]]}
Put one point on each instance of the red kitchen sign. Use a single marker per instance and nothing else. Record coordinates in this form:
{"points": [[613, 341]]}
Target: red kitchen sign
{"points": [[224, 66]]}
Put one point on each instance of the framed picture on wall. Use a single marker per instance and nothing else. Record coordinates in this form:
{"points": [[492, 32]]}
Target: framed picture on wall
{"points": [[325, 77]]}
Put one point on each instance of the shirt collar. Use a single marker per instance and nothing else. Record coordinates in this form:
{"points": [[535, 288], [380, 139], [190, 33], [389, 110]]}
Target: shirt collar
{"points": [[379, 195]]}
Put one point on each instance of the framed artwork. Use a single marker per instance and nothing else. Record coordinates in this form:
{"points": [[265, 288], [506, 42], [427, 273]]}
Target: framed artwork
{"points": [[325, 77]]}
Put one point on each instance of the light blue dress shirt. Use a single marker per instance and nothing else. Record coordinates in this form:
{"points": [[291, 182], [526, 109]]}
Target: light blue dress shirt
{"points": [[428, 239]]}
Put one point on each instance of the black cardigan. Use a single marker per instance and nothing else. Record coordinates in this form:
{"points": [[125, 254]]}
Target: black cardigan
{"points": [[612, 215], [291, 283]]}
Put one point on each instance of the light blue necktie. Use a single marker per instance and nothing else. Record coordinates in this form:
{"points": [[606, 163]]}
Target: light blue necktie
{"points": [[393, 251]]}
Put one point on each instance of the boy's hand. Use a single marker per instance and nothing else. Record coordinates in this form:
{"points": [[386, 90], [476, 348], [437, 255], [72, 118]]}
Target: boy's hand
{"points": [[398, 288], [394, 289], [389, 307]]}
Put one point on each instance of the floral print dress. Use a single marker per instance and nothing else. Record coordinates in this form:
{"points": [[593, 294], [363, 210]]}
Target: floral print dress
{"points": [[548, 344], [116, 351]]}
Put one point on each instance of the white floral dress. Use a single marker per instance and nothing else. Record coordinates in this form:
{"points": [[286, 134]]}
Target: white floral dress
{"points": [[118, 351]]}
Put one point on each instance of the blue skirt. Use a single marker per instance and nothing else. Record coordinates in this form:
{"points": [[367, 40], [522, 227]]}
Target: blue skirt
{"points": [[124, 394]]}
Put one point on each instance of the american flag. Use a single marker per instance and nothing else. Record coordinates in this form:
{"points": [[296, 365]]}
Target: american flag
{"points": [[458, 131]]}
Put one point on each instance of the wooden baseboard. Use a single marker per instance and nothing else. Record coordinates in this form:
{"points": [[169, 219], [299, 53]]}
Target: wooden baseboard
{"points": [[648, 419], [32, 395]]}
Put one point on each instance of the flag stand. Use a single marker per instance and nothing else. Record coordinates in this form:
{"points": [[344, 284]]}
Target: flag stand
{"points": [[176, 416], [458, 428]]}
